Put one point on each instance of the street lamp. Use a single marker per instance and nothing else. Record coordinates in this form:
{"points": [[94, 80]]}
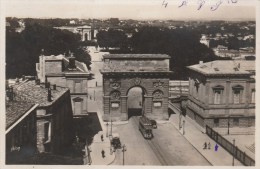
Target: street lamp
{"points": [[183, 127], [111, 127], [123, 150], [107, 129], [228, 125], [180, 116], [233, 160]]}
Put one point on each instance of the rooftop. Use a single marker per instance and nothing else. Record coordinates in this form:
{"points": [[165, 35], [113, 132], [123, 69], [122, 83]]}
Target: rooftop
{"points": [[136, 56], [38, 93], [222, 67], [15, 110], [80, 66]]}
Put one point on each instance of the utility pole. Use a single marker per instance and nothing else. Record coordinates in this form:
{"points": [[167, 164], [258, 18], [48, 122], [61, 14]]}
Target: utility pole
{"points": [[107, 129], [233, 160], [183, 127], [124, 149], [111, 127], [228, 125]]}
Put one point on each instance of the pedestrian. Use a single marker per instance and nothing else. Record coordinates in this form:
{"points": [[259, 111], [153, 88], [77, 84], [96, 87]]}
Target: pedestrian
{"points": [[205, 146], [216, 147], [103, 153], [209, 145], [102, 137]]}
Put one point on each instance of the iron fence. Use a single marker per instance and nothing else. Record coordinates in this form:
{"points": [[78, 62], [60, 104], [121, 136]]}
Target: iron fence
{"points": [[233, 150]]}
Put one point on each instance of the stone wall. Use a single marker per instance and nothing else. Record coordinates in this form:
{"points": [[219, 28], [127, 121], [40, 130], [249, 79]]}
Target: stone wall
{"points": [[155, 90]]}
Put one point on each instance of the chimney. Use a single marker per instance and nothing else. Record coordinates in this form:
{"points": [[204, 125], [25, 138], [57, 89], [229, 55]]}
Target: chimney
{"points": [[49, 95], [23, 77], [200, 63], [54, 87], [72, 62]]}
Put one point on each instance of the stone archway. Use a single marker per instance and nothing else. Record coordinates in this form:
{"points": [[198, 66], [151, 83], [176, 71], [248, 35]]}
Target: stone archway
{"points": [[121, 72]]}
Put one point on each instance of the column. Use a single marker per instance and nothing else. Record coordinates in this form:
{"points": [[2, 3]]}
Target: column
{"points": [[124, 112], [207, 94], [106, 104], [148, 100]]}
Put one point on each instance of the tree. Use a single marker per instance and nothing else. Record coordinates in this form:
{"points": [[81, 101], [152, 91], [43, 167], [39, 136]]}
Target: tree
{"points": [[111, 38], [23, 49], [182, 45]]}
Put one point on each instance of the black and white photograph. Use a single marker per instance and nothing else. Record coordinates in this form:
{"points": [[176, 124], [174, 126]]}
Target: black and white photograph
{"points": [[129, 83]]}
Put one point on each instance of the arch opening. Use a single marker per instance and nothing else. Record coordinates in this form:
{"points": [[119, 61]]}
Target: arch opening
{"points": [[135, 101]]}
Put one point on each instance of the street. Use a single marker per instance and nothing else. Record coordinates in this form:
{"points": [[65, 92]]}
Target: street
{"points": [[168, 147]]}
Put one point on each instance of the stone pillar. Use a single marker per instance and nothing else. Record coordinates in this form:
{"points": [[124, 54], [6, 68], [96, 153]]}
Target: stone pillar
{"points": [[124, 111], [247, 94], [207, 95], [106, 100], [148, 100], [165, 108], [227, 97]]}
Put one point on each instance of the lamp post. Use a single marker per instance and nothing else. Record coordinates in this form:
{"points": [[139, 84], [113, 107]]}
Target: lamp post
{"points": [[228, 125], [183, 127], [111, 127], [107, 129], [233, 160], [180, 121], [123, 150]]}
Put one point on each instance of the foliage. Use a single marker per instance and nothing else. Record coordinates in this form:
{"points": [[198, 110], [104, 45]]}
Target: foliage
{"points": [[182, 45], [23, 49], [111, 38]]}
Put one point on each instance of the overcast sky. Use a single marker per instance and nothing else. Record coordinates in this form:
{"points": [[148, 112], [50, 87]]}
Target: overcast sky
{"points": [[130, 9]]}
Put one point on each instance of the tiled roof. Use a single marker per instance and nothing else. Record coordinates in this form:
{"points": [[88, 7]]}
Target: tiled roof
{"points": [[16, 109], [38, 93], [234, 67], [136, 56]]}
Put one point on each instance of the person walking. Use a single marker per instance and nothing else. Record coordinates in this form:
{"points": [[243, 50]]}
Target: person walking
{"points": [[103, 153], [205, 146], [216, 147], [102, 138], [209, 145]]}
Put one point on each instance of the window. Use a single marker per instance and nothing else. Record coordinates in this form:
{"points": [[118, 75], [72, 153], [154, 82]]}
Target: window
{"points": [[237, 93], [218, 92], [47, 131], [77, 87], [236, 122], [77, 102], [216, 122], [253, 96]]}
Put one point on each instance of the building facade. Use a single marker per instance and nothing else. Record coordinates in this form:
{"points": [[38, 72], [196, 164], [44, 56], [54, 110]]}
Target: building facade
{"points": [[122, 72], [222, 93], [66, 72], [54, 114], [21, 129]]}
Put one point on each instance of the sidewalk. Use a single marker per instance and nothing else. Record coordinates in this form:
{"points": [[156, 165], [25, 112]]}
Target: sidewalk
{"points": [[95, 150], [97, 145], [197, 138]]}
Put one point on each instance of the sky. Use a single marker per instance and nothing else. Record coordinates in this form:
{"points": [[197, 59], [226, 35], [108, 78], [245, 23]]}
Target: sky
{"points": [[126, 9]]}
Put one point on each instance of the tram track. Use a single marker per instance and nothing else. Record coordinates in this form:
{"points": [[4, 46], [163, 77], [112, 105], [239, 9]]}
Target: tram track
{"points": [[155, 148]]}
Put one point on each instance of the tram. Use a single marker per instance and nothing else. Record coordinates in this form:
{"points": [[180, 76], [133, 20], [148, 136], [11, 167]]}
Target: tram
{"points": [[145, 127]]}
